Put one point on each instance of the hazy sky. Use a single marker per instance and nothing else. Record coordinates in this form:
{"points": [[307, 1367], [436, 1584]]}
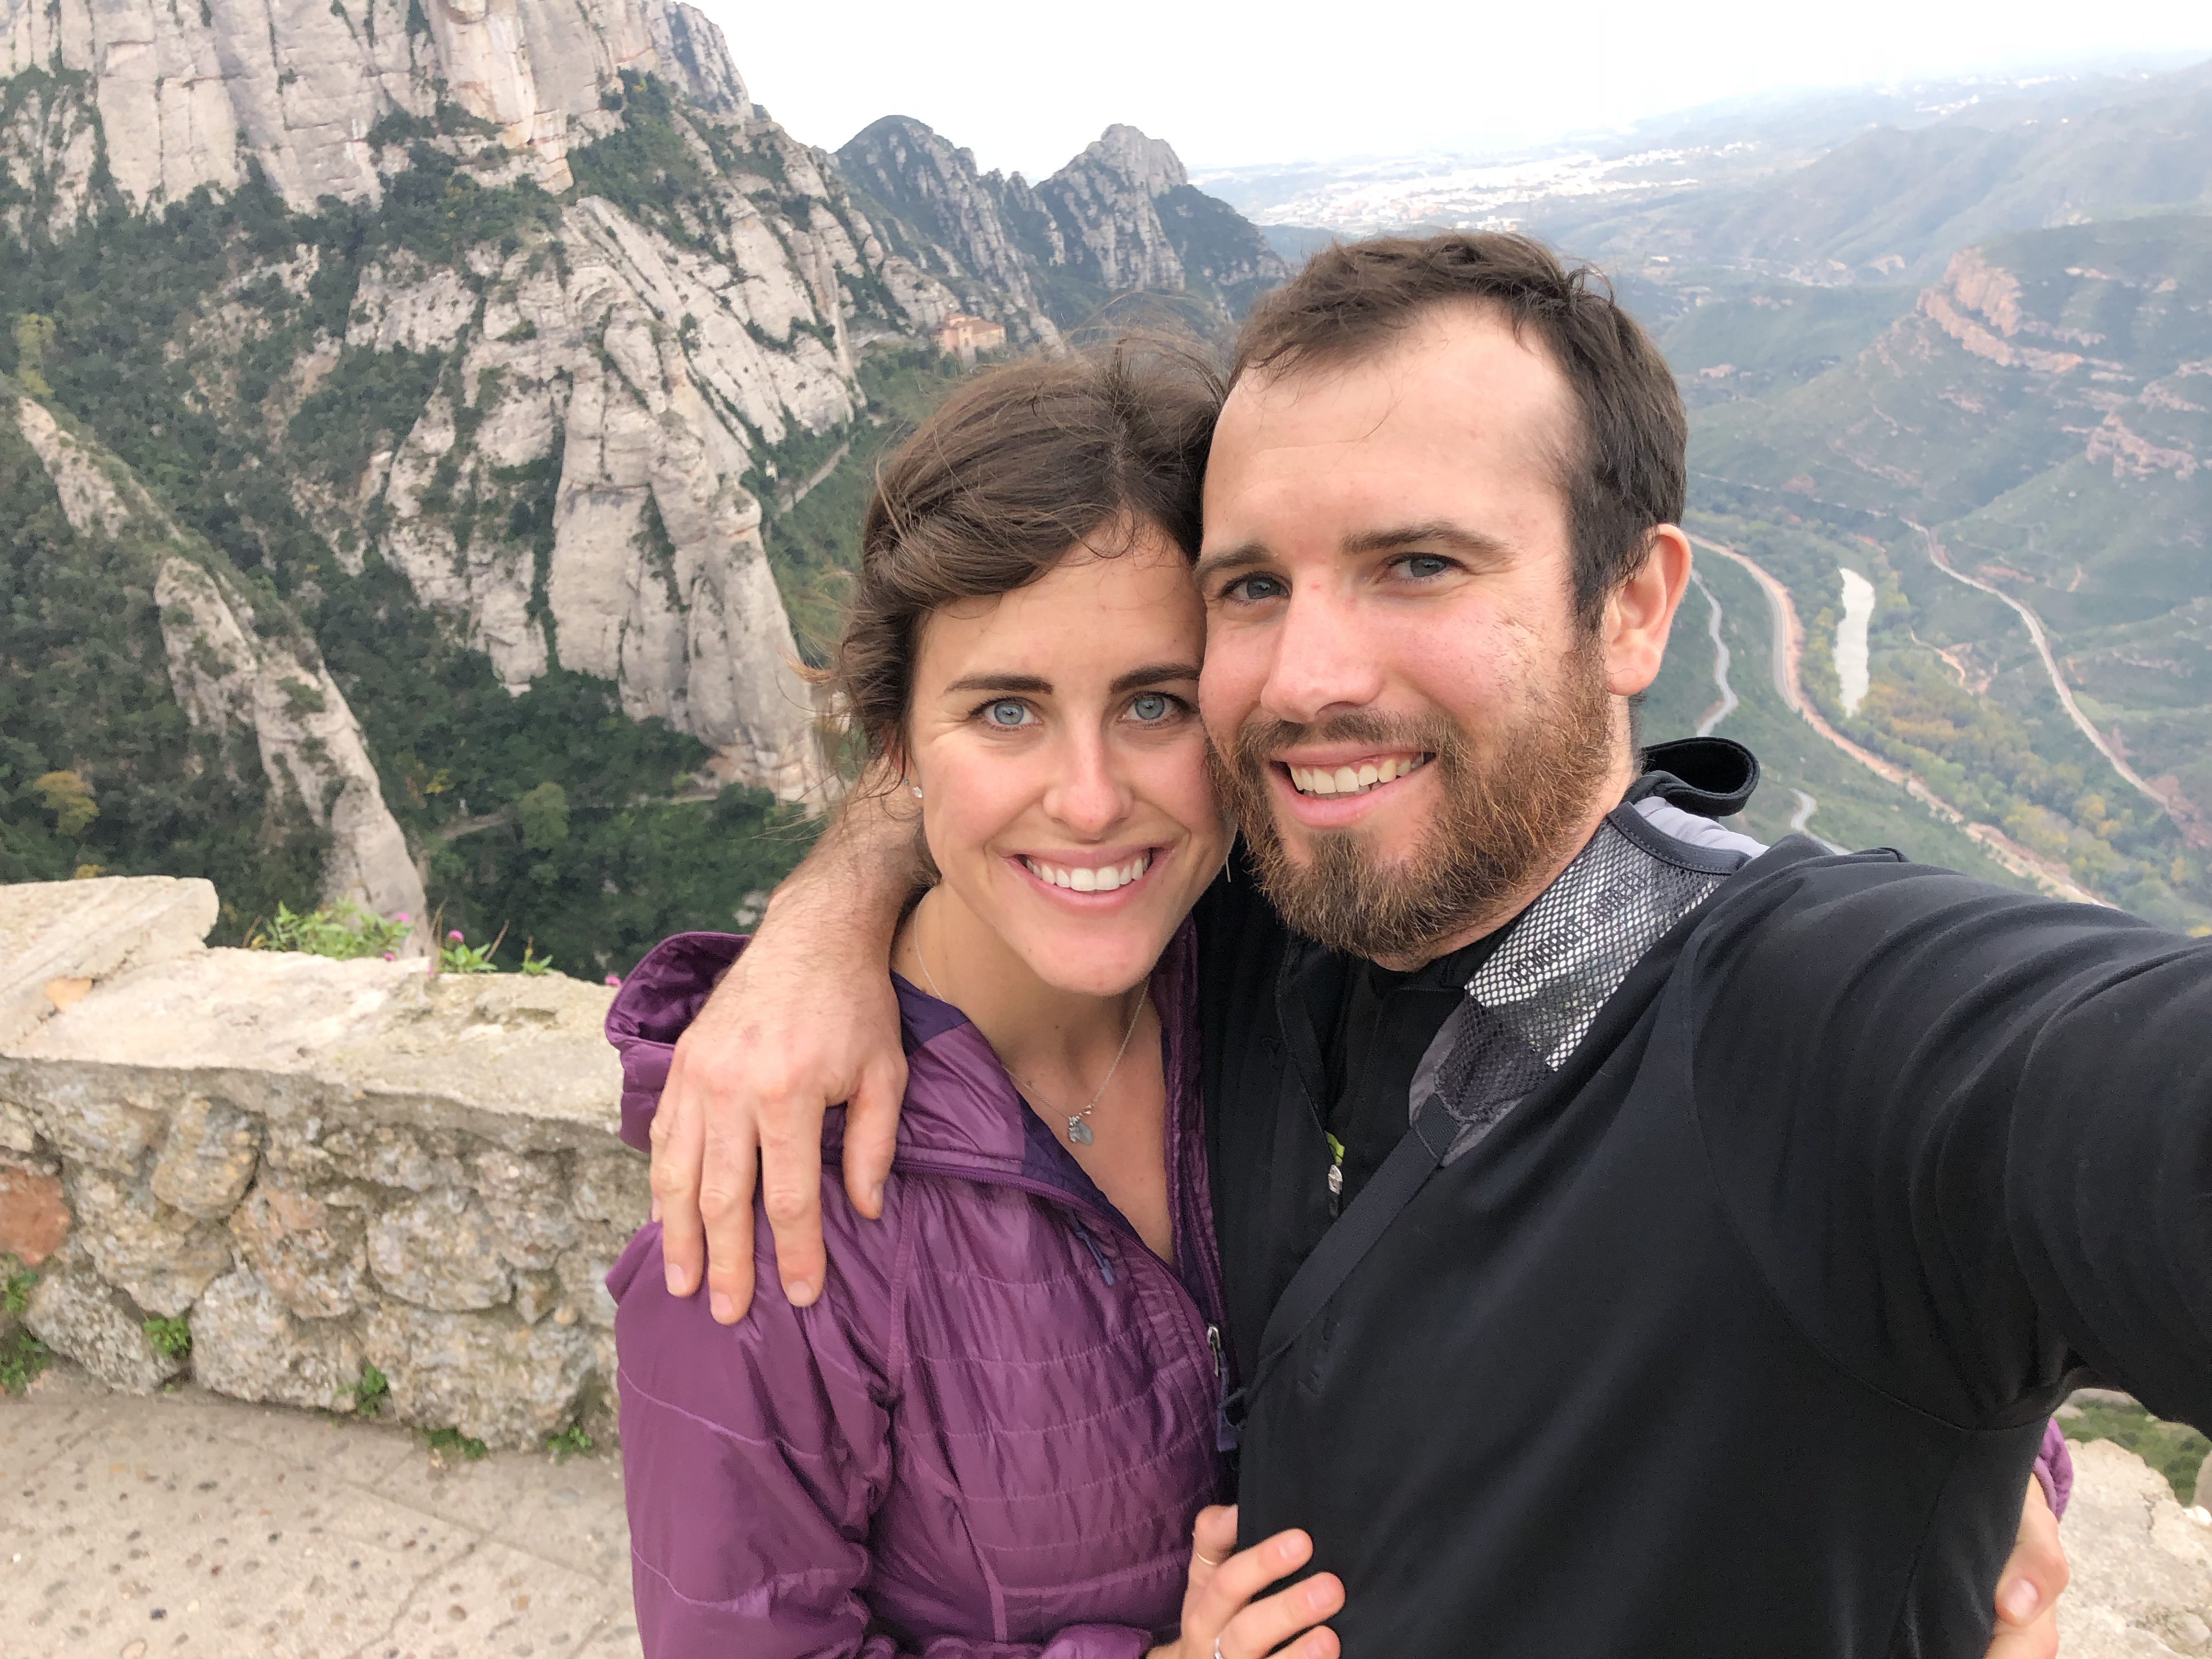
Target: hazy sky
{"points": [[1026, 83]]}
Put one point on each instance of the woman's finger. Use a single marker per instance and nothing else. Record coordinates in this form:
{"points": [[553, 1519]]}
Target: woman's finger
{"points": [[1267, 1623], [1212, 1540], [1238, 1579]]}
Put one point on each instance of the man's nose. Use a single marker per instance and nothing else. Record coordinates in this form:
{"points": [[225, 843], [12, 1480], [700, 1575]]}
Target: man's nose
{"points": [[1089, 795], [1324, 661]]}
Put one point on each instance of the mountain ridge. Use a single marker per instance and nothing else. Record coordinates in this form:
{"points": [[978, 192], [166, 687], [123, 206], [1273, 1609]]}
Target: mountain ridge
{"points": [[479, 347]]}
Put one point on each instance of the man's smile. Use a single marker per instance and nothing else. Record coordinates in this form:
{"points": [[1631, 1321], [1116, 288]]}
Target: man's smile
{"points": [[1353, 776]]}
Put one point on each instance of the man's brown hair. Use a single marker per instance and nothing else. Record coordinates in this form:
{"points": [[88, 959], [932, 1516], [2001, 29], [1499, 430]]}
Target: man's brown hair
{"points": [[1627, 472], [1020, 465]]}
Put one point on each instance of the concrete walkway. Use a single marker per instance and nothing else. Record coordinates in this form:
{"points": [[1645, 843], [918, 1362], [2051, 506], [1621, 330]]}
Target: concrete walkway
{"points": [[190, 1524]]}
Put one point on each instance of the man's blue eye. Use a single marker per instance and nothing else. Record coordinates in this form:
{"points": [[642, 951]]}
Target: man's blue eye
{"points": [[1423, 566], [1008, 714], [1252, 589], [1149, 706]]}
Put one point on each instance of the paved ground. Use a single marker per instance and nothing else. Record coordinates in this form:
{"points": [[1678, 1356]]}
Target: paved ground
{"points": [[189, 1524]]}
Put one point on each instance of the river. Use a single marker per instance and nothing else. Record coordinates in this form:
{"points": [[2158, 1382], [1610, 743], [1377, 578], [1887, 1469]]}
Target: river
{"points": [[1851, 639]]}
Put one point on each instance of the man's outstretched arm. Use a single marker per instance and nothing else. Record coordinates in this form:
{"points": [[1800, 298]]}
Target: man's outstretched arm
{"points": [[805, 1019]]}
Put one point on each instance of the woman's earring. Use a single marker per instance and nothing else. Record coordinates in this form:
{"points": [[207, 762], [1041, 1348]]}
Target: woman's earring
{"points": [[917, 790]]}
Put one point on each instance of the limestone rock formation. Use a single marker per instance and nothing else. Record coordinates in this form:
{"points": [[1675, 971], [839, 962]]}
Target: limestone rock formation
{"points": [[186, 96], [431, 330], [1122, 217], [229, 672]]}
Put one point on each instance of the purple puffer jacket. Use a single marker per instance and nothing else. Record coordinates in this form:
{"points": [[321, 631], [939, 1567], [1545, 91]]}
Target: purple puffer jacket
{"points": [[991, 1434]]}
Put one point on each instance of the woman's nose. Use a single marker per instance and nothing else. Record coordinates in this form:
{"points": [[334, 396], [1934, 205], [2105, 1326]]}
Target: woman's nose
{"points": [[1089, 796]]}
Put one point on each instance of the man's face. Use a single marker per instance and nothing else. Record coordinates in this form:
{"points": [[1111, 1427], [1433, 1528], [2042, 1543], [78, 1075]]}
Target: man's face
{"points": [[1412, 722]]}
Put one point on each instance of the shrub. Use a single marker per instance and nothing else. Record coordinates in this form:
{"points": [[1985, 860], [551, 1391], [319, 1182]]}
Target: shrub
{"points": [[342, 932]]}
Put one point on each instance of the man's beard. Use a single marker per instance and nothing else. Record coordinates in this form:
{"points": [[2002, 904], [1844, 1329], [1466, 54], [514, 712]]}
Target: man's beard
{"points": [[1507, 817]]}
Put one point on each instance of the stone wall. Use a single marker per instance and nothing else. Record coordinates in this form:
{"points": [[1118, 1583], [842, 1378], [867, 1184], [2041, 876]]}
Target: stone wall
{"points": [[2142, 1564], [330, 1170]]}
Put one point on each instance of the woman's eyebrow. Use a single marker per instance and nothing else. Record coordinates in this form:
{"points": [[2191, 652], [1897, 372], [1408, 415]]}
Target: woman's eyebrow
{"points": [[989, 682], [1159, 673]]}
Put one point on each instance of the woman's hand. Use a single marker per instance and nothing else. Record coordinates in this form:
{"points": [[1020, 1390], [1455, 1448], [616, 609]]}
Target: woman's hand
{"points": [[1219, 1616], [2034, 1579]]}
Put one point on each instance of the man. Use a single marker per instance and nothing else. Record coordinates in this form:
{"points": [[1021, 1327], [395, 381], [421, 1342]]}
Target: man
{"points": [[1635, 1245]]}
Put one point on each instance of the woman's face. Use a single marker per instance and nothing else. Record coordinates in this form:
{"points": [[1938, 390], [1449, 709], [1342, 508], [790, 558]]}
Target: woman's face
{"points": [[1055, 733]]}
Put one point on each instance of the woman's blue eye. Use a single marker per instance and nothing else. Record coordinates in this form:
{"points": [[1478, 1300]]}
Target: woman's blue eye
{"points": [[1151, 705], [1008, 713]]}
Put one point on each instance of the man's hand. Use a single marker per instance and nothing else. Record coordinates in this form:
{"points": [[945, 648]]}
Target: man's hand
{"points": [[805, 1019], [2033, 1580]]}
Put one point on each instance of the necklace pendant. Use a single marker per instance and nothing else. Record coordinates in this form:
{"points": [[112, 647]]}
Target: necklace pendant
{"points": [[1079, 1132]]}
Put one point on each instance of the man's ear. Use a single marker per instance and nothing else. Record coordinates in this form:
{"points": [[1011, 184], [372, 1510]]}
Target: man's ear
{"points": [[1640, 613]]}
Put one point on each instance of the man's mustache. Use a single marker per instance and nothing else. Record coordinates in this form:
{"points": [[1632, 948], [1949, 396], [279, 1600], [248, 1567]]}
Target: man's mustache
{"points": [[1261, 739]]}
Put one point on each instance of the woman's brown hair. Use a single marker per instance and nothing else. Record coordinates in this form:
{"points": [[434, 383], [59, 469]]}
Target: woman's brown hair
{"points": [[1014, 470]]}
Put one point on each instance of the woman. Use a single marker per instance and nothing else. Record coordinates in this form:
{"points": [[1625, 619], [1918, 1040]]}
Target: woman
{"points": [[997, 1430]]}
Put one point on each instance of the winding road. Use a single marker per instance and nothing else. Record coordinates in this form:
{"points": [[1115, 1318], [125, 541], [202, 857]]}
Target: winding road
{"points": [[1788, 647], [1729, 700], [2035, 632]]}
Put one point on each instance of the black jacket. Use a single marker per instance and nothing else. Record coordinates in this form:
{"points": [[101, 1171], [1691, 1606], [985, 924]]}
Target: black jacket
{"points": [[1736, 1335]]}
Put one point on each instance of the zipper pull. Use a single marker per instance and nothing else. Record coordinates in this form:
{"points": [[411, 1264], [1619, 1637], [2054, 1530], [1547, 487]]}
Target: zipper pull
{"points": [[1225, 1436], [1099, 1255], [1335, 1175]]}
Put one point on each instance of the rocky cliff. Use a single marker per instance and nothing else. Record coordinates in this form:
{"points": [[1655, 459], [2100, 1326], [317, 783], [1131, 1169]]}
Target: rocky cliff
{"points": [[181, 97], [473, 344], [1122, 217]]}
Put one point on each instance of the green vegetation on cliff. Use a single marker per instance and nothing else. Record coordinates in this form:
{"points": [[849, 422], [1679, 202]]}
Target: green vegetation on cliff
{"points": [[83, 679]]}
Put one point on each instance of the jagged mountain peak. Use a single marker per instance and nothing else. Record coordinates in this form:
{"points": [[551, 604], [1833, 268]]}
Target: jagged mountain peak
{"points": [[1121, 217], [1149, 164]]}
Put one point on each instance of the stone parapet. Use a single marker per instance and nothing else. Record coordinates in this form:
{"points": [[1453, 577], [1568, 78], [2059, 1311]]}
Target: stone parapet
{"points": [[332, 1171]]}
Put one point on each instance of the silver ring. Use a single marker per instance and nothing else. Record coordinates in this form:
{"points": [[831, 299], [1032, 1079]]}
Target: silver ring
{"points": [[1217, 1648]]}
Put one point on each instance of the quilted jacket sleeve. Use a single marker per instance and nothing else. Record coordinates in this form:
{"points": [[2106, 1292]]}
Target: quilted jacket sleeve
{"points": [[753, 1458]]}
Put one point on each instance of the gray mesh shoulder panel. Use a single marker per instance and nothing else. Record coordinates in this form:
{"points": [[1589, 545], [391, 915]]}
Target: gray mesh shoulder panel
{"points": [[1534, 998]]}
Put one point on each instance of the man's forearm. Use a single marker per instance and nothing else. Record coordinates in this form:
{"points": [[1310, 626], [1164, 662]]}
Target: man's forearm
{"points": [[806, 1018], [857, 882]]}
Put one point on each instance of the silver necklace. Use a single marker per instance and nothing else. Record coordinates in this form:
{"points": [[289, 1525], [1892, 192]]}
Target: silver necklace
{"points": [[1078, 1123]]}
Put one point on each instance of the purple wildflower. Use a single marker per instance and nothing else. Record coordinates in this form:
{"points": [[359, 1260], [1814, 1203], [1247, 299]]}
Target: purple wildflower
{"points": [[402, 916], [454, 938], [614, 980], [391, 956]]}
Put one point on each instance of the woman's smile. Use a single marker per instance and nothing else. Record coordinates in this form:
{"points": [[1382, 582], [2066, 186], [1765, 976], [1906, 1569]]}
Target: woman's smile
{"points": [[1091, 873]]}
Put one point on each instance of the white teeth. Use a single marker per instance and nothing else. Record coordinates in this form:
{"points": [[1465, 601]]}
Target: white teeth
{"points": [[1350, 781], [1105, 880]]}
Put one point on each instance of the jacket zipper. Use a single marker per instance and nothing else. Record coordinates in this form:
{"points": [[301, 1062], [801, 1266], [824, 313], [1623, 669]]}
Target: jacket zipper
{"points": [[1225, 1434]]}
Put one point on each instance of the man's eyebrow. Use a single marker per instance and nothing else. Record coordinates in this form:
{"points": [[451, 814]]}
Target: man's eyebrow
{"points": [[1232, 558], [1435, 533], [989, 682], [1159, 673]]}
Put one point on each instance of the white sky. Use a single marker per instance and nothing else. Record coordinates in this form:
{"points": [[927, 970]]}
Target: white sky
{"points": [[1027, 83]]}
